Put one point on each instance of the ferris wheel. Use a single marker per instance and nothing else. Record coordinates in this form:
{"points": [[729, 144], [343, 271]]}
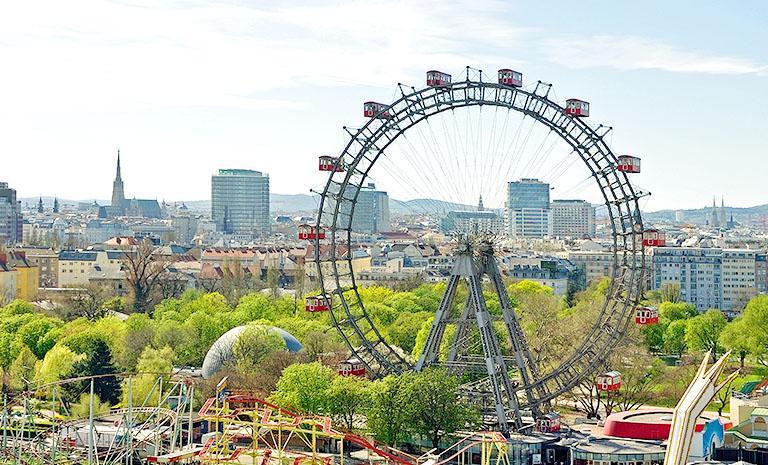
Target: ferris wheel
{"points": [[437, 114]]}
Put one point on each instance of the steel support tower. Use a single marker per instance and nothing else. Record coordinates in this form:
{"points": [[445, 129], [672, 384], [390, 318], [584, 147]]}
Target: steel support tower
{"points": [[475, 260]]}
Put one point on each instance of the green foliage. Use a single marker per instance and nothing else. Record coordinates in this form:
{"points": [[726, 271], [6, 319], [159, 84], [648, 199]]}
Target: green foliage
{"points": [[347, 399], [154, 364], [703, 331], [389, 413], [81, 409], [437, 408], [253, 345], [22, 370], [675, 337], [304, 387], [57, 364], [670, 311], [98, 362]]}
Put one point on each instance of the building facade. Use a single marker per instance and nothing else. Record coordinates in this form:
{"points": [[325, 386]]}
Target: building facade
{"points": [[371, 213], [573, 218], [528, 210], [723, 279], [240, 202], [739, 283], [465, 222], [11, 221]]}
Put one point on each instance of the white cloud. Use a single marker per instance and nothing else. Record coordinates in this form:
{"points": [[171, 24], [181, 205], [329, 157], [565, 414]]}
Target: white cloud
{"points": [[128, 56], [632, 53]]}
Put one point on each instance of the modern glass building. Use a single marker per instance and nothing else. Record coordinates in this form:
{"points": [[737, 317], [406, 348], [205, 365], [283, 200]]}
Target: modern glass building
{"points": [[528, 211], [371, 211], [240, 202], [11, 223]]}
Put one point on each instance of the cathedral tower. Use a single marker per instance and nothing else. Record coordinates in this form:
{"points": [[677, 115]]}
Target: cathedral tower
{"points": [[118, 195]]}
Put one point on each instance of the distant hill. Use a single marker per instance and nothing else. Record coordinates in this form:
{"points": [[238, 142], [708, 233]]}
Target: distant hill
{"points": [[700, 215], [305, 203]]}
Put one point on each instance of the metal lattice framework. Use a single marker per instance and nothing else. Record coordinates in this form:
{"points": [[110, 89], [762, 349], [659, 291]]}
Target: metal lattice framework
{"points": [[335, 255]]}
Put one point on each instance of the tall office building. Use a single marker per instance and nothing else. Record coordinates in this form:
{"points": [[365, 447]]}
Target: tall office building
{"points": [[11, 221], [573, 218], [240, 202], [528, 212], [371, 211]]}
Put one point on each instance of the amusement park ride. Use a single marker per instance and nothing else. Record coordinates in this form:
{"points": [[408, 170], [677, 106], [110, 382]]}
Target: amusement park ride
{"points": [[510, 388]]}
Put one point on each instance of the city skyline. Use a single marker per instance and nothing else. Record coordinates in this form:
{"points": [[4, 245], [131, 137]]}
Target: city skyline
{"points": [[172, 90]]}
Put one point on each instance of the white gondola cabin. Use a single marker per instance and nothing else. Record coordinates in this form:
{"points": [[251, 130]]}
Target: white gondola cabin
{"points": [[328, 163], [628, 164], [549, 423], [352, 367], [512, 78], [610, 381], [376, 110], [576, 107], [438, 79], [309, 232], [654, 238], [317, 303], [646, 315]]}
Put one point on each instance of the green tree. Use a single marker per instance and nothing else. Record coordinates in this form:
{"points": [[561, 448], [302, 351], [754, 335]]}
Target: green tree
{"points": [[348, 397], [674, 337], [404, 329], [671, 311], [438, 410], [754, 320], [57, 364], [304, 387], [33, 335], [154, 364], [138, 335], [253, 345], [703, 332], [9, 350], [98, 362], [82, 408], [738, 338], [22, 370], [390, 410]]}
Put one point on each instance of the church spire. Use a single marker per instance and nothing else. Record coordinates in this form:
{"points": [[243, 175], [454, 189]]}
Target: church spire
{"points": [[117, 176], [480, 204], [118, 194]]}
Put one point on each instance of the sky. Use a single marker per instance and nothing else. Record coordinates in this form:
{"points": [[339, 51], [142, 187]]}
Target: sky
{"points": [[184, 88]]}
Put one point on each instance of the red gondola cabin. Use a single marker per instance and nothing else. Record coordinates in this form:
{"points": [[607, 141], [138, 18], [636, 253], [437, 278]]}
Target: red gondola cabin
{"points": [[608, 382], [317, 303], [646, 315], [549, 423], [352, 367], [309, 232], [654, 238], [576, 107], [508, 77], [628, 164], [376, 110], [327, 163], [438, 79]]}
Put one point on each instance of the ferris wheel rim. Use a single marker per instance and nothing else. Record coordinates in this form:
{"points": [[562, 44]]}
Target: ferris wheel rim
{"points": [[621, 293]]}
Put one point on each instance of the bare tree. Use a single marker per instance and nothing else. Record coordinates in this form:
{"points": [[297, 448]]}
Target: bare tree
{"points": [[143, 271], [171, 285], [87, 301], [586, 398], [237, 281]]}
